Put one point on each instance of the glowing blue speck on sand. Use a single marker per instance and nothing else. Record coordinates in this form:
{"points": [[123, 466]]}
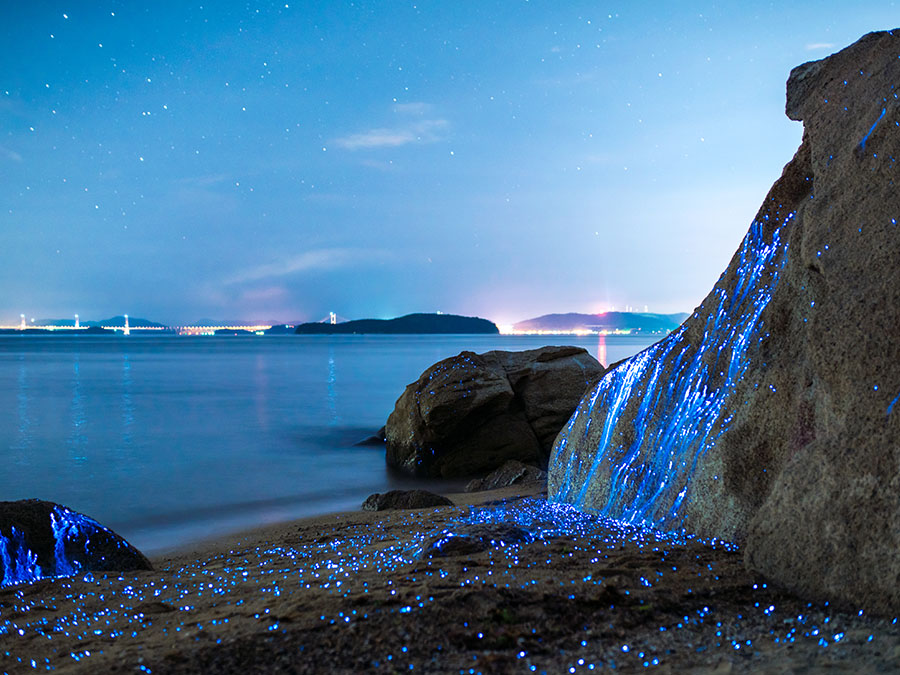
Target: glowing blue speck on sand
{"points": [[683, 394], [20, 563]]}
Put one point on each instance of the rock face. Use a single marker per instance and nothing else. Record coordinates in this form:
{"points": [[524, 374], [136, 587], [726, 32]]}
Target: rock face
{"points": [[772, 416], [41, 539], [404, 499], [468, 414], [511, 473]]}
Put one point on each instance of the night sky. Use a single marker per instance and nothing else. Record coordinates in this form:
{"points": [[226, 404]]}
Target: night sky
{"points": [[277, 161]]}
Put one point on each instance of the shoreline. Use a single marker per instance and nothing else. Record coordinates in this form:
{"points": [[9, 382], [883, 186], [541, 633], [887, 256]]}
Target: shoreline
{"points": [[501, 582], [255, 536]]}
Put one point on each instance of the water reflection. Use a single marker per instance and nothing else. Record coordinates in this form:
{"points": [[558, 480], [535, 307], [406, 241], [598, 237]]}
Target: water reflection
{"points": [[261, 394], [601, 350], [332, 392], [127, 402], [77, 442], [24, 440]]}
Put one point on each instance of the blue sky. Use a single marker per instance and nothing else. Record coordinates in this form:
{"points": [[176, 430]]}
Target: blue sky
{"points": [[277, 161]]}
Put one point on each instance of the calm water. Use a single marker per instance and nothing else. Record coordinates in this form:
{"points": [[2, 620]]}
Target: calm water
{"points": [[168, 439]]}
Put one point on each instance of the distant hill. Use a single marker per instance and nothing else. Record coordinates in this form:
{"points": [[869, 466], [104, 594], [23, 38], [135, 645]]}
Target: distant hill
{"points": [[409, 324], [222, 322], [133, 322], [280, 329], [608, 321]]}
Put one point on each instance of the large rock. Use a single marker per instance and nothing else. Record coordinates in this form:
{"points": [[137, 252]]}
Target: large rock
{"points": [[41, 539], [468, 414], [771, 417]]}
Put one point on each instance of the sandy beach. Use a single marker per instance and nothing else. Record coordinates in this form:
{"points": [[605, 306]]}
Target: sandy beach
{"points": [[502, 582]]}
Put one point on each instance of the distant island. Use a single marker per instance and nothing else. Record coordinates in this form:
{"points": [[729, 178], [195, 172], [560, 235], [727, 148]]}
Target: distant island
{"points": [[626, 322], [409, 324]]}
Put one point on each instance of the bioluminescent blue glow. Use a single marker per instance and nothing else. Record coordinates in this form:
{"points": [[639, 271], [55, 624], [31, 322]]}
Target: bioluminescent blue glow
{"points": [[247, 588], [890, 407], [20, 562], [862, 143], [684, 402]]}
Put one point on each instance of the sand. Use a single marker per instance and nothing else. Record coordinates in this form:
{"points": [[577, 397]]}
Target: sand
{"points": [[556, 591]]}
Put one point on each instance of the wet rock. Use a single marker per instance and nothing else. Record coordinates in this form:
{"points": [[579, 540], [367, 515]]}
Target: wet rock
{"points": [[472, 539], [404, 499], [41, 539], [468, 414], [511, 473], [771, 417]]}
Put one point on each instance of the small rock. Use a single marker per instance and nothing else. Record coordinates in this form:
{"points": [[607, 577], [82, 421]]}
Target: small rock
{"points": [[404, 499], [512, 472], [471, 539]]}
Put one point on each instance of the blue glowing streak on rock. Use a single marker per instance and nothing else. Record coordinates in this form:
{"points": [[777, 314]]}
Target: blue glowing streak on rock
{"points": [[890, 408], [19, 561], [680, 414], [65, 525], [862, 143]]}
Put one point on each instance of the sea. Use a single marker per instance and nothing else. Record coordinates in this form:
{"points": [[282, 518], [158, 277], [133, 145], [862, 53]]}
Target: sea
{"points": [[170, 440]]}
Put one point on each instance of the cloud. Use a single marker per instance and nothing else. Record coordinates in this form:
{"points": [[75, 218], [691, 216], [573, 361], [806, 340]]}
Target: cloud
{"points": [[421, 132], [419, 125], [11, 155], [267, 294], [309, 261], [205, 180], [812, 46]]}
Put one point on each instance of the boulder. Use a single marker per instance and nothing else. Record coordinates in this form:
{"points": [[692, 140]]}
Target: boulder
{"points": [[468, 414], [404, 499], [41, 539], [771, 416], [511, 473]]}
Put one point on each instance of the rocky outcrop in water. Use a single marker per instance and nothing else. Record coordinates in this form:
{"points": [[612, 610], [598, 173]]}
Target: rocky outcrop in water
{"points": [[468, 414], [41, 539], [771, 417]]}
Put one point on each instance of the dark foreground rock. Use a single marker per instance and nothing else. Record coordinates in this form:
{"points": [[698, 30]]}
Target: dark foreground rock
{"points": [[771, 417], [41, 539], [468, 414], [404, 499], [511, 473]]}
